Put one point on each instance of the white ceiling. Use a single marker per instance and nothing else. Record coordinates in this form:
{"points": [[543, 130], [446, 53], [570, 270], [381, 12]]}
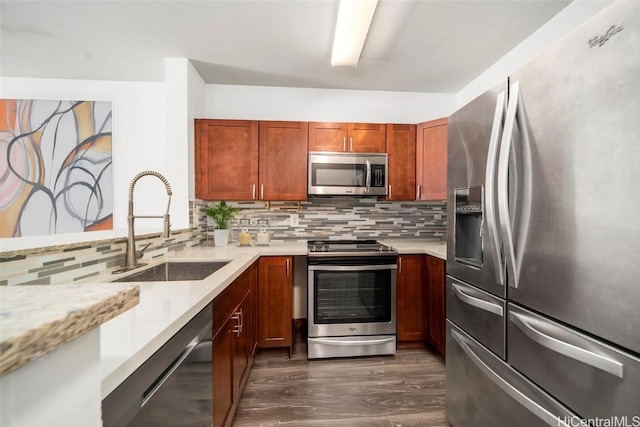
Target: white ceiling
{"points": [[413, 45]]}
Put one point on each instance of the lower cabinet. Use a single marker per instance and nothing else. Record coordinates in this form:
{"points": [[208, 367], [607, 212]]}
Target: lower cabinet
{"points": [[437, 306], [420, 296], [275, 311], [411, 297], [233, 344]]}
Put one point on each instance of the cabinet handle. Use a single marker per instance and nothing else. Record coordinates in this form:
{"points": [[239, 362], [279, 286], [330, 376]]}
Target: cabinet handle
{"points": [[350, 143], [418, 192], [237, 316], [261, 191], [344, 144], [389, 197], [399, 265], [253, 192], [287, 267]]}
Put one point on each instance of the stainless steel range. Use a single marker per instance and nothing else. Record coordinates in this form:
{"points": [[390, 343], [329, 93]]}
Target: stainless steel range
{"points": [[352, 298]]}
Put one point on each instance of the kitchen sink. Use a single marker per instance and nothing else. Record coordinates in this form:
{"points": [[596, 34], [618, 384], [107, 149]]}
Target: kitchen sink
{"points": [[174, 271]]}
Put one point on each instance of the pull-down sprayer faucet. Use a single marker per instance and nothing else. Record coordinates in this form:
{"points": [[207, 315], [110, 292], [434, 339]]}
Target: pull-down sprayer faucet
{"points": [[131, 258]]}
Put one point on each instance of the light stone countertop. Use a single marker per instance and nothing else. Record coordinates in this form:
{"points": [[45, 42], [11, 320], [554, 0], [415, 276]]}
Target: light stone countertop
{"points": [[35, 320], [128, 340], [434, 248]]}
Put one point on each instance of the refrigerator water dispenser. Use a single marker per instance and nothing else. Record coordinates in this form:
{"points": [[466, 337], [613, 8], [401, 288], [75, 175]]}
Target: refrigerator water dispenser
{"points": [[468, 226]]}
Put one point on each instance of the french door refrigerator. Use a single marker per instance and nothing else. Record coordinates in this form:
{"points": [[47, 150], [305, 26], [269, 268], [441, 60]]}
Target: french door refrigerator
{"points": [[543, 253]]}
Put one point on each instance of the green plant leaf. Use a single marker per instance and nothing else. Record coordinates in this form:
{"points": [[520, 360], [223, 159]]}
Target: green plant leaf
{"points": [[221, 213]]}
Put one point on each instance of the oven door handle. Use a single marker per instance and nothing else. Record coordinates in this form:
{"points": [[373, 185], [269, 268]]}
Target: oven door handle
{"points": [[342, 342], [352, 267]]}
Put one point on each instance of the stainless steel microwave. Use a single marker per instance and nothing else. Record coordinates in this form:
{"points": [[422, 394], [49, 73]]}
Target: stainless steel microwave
{"points": [[345, 174]]}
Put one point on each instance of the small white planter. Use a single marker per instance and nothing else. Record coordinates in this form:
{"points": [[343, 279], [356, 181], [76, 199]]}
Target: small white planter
{"points": [[221, 237]]}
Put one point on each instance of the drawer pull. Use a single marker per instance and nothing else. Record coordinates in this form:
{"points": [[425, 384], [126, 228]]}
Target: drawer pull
{"points": [[516, 394], [574, 352], [477, 302]]}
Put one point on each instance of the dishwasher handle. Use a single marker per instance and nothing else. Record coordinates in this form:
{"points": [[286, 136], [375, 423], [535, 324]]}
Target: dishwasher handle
{"points": [[148, 394]]}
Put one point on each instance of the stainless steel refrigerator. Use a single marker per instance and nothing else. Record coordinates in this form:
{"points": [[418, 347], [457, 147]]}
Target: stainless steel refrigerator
{"points": [[543, 262]]}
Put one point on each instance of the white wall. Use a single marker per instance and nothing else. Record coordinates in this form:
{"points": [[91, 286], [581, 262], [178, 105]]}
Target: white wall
{"points": [[139, 143], [330, 105], [560, 25], [197, 108]]}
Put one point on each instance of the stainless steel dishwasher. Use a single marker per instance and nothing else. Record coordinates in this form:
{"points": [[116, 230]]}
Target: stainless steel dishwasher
{"points": [[174, 387]]}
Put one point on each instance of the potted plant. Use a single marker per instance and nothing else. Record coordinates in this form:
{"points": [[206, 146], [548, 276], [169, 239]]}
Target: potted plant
{"points": [[221, 213]]}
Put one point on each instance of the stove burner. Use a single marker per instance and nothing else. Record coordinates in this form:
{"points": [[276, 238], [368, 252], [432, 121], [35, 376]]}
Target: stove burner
{"points": [[348, 247]]}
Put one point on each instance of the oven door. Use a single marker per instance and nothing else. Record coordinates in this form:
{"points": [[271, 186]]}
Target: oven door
{"points": [[349, 300]]}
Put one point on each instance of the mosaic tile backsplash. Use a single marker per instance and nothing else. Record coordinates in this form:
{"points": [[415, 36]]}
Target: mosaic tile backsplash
{"points": [[322, 218], [347, 218]]}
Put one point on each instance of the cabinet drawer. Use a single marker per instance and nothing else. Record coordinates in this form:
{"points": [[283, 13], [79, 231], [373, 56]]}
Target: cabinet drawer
{"points": [[229, 299], [483, 391], [592, 378], [477, 312]]}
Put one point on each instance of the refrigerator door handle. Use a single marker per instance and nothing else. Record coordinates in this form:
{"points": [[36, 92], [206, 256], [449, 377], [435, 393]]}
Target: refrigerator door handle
{"points": [[368, 177], [503, 183], [574, 352], [477, 302], [517, 395], [489, 194]]}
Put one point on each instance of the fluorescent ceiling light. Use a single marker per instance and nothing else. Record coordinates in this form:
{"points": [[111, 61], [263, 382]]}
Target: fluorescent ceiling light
{"points": [[354, 18]]}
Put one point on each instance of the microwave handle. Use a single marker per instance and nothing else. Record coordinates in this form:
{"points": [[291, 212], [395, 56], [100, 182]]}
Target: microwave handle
{"points": [[368, 178]]}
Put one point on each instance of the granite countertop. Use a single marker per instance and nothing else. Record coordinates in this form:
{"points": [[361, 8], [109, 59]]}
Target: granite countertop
{"points": [[36, 320]]}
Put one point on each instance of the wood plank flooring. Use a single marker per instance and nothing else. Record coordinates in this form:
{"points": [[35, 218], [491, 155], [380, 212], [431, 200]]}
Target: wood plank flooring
{"points": [[406, 390]]}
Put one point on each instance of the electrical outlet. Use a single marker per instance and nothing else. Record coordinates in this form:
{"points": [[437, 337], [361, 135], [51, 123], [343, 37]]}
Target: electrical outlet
{"points": [[294, 220]]}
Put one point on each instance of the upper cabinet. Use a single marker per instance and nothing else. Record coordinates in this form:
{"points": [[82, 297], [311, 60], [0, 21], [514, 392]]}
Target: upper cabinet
{"points": [[347, 137], [401, 151], [283, 160], [250, 160], [431, 162], [223, 148]]}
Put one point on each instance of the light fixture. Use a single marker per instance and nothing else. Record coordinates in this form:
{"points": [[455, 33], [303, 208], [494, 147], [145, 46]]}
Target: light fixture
{"points": [[354, 18]]}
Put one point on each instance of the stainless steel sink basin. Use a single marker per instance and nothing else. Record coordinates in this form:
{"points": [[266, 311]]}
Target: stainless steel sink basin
{"points": [[174, 271]]}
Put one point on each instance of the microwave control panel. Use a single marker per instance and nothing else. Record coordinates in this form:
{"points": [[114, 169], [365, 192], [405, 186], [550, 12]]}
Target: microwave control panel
{"points": [[377, 176]]}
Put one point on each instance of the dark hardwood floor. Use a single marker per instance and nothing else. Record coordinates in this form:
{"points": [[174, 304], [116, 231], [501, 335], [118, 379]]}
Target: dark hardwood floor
{"points": [[402, 390]]}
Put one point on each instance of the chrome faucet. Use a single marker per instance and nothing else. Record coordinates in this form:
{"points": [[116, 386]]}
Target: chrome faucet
{"points": [[131, 257]]}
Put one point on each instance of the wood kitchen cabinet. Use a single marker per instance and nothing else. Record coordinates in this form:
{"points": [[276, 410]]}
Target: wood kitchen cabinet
{"points": [[275, 313], [226, 159], [401, 152], [232, 345], [347, 137], [251, 160], [431, 160], [283, 160], [436, 300], [411, 299]]}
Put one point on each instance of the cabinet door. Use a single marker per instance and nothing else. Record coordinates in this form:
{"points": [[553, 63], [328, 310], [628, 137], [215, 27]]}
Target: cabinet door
{"points": [[226, 159], [223, 349], [275, 281], [411, 298], [328, 136], [253, 314], [241, 351], [437, 307], [431, 164], [401, 151], [283, 160], [367, 138]]}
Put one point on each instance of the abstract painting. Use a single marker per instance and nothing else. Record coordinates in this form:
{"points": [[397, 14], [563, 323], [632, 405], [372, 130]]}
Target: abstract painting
{"points": [[56, 173]]}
